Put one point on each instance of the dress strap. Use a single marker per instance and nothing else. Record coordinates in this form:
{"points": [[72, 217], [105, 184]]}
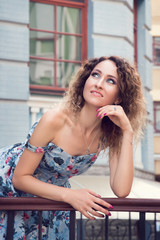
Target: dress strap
{"points": [[35, 149]]}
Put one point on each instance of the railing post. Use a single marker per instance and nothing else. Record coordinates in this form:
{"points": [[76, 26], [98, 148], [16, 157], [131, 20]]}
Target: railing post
{"points": [[142, 227], [106, 227], [40, 226], [81, 227], [10, 225], [156, 231], [72, 225], [130, 227]]}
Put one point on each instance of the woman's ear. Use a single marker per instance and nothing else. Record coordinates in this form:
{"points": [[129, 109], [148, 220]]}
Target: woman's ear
{"points": [[118, 101]]}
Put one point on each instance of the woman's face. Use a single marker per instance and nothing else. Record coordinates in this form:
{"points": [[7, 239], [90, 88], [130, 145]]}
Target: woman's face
{"points": [[101, 87]]}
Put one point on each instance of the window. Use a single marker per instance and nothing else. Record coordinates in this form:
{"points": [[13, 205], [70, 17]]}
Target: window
{"points": [[58, 43], [156, 51], [157, 117]]}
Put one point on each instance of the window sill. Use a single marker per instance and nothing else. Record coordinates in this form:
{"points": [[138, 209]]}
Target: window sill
{"points": [[47, 90]]}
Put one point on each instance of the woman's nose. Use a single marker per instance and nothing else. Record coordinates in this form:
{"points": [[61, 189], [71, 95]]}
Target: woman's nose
{"points": [[99, 83]]}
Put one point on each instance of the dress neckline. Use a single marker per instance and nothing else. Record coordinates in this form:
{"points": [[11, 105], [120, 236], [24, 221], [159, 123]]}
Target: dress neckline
{"points": [[73, 156]]}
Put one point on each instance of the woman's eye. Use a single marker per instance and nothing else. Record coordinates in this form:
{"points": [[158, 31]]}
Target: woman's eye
{"points": [[110, 81], [95, 74]]}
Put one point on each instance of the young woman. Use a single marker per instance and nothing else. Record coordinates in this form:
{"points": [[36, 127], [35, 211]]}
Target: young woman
{"points": [[103, 108]]}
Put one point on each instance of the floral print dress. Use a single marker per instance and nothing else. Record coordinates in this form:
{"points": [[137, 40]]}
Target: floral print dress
{"points": [[56, 167]]}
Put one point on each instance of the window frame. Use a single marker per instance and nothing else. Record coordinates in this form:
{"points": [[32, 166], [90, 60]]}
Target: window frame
{"points": [[54, 90], [156, 104], [155, 63]]}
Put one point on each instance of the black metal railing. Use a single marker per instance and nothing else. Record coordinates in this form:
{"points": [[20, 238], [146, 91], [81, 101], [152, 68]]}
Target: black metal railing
{"points": [[142, 206], [12, 204]]}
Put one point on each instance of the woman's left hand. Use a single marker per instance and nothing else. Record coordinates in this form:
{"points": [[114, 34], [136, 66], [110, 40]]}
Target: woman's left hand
{"points": [[116, 114]]}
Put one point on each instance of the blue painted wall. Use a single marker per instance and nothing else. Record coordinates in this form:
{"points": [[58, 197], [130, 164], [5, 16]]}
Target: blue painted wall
{"points": [[145, 69], [14, 42], [14, 11], [110, 32], [14, 71], [110, 29], [14, 81], [13, 122]]}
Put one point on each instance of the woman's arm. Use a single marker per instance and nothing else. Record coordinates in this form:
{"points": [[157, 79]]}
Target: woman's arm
{"points": [[121, 166], [84, 200], [23, 179]]}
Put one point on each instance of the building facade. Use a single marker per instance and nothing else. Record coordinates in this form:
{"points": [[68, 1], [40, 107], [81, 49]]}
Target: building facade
{"points": [[42, 44], [156, 83]]}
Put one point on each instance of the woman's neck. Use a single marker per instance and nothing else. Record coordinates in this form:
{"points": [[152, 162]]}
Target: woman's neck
{"points": [[88, 121]]}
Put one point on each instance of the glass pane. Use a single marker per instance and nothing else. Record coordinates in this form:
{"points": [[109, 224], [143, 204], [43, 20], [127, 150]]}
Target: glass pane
{"points": [[68, 20], [41, 44], [157, 50], [157, 41], [69, 47], [65, 72], [42, 16], [158, 119], [42, 72]]}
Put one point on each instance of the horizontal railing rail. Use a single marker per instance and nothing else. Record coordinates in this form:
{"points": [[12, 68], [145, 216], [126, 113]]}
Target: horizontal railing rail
{"points": [[134, 204], [11, 204], [33, 203], [120, 204]]}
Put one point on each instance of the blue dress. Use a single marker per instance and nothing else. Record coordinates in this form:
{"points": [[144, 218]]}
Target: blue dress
{"points": [[56, 167]]}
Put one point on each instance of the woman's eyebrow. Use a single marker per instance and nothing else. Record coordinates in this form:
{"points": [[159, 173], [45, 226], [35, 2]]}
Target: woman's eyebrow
{"points": [[97, 70], [112, 77], [107, 75]]}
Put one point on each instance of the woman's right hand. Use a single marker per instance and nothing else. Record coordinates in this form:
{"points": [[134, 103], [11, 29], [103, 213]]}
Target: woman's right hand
{"points": [[88, 203]]}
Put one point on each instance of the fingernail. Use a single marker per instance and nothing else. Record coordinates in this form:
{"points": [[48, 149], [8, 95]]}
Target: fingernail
{"points": [[97, 115], [97, 109], [99, 195], [109, 214], [111, 207], [105, 114]]}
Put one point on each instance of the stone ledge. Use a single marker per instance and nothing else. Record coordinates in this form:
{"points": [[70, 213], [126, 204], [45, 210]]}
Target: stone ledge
{"points": [[104, 170]]}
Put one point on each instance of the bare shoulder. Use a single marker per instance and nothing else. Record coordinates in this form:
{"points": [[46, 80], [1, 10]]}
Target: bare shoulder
{"points": [[49, 125], [54, 118]]}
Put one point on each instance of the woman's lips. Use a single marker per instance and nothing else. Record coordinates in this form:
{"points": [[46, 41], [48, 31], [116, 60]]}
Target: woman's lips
{"points": [[96, 93]]}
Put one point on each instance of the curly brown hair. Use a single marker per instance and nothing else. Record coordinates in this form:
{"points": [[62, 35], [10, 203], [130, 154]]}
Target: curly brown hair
{"points": [[130, 93]]}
